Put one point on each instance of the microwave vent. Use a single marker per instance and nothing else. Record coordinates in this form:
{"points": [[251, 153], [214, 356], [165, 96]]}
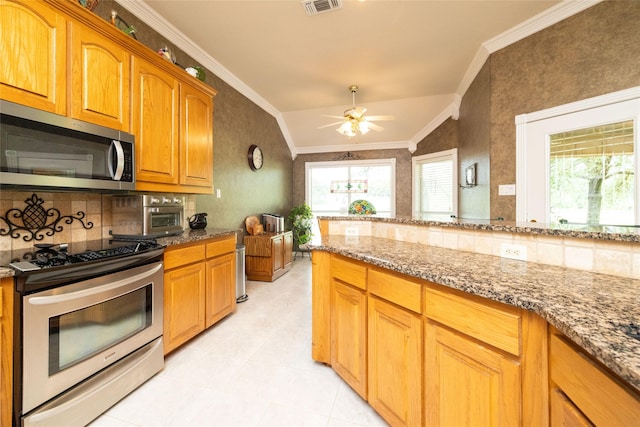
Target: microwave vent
{"points": [[313, 7]]}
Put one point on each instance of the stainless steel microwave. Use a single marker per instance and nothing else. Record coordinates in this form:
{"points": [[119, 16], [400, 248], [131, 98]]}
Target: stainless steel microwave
{"points": [[41, 149]]}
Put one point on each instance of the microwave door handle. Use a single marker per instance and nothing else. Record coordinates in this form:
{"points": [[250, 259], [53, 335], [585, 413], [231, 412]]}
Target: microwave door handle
{"points": [[116, 174]]}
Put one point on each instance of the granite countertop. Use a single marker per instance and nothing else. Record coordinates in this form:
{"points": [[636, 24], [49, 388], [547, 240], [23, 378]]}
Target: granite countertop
{"points": [[617, 233], [594, 310], [187, 236]]}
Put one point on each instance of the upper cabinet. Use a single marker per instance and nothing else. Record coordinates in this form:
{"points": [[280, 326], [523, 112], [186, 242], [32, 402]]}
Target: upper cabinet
{"points": [[62, 58], [196, 137], [100, 70], [33, 42], [155, 124]]}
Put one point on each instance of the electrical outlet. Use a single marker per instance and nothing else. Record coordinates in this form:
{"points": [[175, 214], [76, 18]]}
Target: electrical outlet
{"points": [[351, 231], [518, 252]]}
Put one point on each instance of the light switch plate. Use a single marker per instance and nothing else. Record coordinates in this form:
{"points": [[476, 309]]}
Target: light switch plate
{"points": [[507, 190]]}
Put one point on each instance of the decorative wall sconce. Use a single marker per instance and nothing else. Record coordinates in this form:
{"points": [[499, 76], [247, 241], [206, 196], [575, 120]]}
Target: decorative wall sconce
{"points": [[470, 177]]}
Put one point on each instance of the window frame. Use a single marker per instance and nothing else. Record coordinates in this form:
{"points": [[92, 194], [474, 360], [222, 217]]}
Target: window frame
{"points": [[308, 166], [451, 154], [532, 136]]}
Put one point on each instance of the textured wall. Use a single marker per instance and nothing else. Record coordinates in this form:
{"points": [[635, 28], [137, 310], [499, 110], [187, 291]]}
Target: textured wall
{"points": [[592, 53], [403, 174], [237, 124], [474, 146]]}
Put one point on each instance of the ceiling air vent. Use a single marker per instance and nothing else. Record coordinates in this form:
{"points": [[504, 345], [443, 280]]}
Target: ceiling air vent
{"points": [[313, 7]]}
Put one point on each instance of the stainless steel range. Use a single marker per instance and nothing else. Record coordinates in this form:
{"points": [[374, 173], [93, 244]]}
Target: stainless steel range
{"points": [[88, 328]]}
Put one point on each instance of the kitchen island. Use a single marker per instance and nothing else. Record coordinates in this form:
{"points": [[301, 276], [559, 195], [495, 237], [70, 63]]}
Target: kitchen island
{"points": [[598, 313]]}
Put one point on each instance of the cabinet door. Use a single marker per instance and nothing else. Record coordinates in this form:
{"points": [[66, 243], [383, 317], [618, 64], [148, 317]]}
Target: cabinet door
{"points": [[348, 335], [395, 363], [287, 248], [100, 74], [468, 383], [277, 253], [563, 413], [196, 137], [320, 306], [155, 124], [221, 290], [6, 350], [184, 304], [33, 37]]}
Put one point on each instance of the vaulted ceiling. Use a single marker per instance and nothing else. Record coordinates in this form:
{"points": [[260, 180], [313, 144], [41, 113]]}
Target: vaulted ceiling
{"points": [[413, 59]]}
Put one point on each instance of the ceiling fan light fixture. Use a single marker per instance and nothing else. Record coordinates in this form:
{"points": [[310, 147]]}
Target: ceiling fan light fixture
{"points": [[363, 127], [348, 129]]}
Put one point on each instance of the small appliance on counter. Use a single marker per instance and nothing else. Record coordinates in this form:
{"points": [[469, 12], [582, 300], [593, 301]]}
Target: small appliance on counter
{"points": [[273, 223], [198, 221], [149, 215]]}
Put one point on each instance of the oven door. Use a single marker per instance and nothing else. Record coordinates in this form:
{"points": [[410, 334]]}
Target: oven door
{"points": [[159, 221], [72, 332]]}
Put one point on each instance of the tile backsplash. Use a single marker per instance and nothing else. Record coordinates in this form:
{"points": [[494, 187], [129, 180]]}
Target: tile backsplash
{"points": [[96, 207]]}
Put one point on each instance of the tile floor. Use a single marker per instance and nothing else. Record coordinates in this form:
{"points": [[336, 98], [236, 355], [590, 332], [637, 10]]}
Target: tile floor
{"points": [[254, 368]]}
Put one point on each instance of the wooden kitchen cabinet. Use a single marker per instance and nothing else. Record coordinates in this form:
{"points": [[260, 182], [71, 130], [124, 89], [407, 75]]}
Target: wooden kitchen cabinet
{"points": [[173, 125], [6, 350], [184, 295], [349, 335], [394, 347], [100, 79], [155, 124], [199, 288], [220, 288], [584, 393], [321, 307], [34, 36], [196, 138], [268, 256]]}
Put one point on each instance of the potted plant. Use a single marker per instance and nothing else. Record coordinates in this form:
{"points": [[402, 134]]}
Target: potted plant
{"points": [[301, 219]]}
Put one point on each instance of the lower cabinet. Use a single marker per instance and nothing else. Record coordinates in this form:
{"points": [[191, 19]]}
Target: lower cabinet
{"points": [[348, 335], [583, 393], [424, 354], [395, 362], [467, 383], [199, 288]]}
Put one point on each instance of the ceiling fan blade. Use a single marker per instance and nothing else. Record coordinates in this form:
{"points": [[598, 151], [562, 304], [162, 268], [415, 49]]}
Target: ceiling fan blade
{"points": [[332, 117], [373, 118], [375, 127], [330, 124], [358, 112]]}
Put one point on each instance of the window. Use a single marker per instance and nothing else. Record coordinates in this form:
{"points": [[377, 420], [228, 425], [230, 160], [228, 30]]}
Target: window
{"points": [[577, 163], [435, 184], [333, 186]]}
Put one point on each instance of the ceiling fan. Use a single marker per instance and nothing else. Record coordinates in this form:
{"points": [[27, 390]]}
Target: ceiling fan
{"points": [[354, 121]]}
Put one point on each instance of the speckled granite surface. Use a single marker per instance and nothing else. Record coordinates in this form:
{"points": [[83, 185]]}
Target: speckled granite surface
{"points": [[580, 231], [187, 237], [591, 309]]}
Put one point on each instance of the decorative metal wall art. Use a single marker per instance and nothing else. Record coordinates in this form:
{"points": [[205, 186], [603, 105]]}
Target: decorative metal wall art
{"points": [[36, 222]]}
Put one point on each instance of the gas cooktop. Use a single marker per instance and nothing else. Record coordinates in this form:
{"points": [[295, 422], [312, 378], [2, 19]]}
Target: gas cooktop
{"points": [[45, 255], [47, 265]]}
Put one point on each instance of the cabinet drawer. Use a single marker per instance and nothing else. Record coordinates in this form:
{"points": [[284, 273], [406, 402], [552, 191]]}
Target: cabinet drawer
{"points": [[183, 256], [601, 397], [349, 271], [396, 289], [220, 247], [488, 321], [258, 245]]}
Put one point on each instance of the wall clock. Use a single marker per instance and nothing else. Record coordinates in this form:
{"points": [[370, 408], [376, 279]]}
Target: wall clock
{"points": [[256, 159]]}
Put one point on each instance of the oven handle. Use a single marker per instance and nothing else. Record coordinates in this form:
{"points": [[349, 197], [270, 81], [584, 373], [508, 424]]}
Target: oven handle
{"points": [[94, 290]]}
